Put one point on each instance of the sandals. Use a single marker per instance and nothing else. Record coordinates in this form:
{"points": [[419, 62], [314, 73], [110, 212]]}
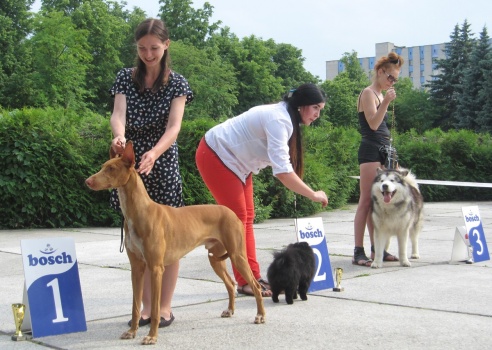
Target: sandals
{"points": [[386, 256], [360, 258], [145, 321], [247, 290]]}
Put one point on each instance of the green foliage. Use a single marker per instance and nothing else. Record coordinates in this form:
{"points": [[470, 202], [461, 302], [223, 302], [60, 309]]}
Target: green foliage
{"points": [[47, 155], [447, 85], [343, 92], [211, 79], [471, 101], [60, 59], [453, 156]]}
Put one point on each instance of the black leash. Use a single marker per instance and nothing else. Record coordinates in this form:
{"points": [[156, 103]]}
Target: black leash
{"points": [[122, 245]]}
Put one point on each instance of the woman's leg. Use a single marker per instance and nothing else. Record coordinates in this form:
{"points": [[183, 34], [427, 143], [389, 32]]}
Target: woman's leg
{"points": [[228, 190], [362, 215]]}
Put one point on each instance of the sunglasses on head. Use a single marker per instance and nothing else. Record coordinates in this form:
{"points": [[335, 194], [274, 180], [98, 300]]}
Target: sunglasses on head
{"points": [[390, 78]]}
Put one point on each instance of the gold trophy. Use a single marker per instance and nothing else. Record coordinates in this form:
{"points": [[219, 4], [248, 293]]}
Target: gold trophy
{"points": [[19, 312], [338, 279]]}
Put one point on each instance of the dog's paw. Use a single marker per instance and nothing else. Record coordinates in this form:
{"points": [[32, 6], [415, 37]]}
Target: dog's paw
{"points": [[415, 256], [376, 265], [227, 313], [128, 335], [275, 298], [405, 263], [259, 319], [148, 340]]}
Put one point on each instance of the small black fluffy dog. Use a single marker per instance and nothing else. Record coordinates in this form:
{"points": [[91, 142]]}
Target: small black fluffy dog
{"points": [[292, 270]]}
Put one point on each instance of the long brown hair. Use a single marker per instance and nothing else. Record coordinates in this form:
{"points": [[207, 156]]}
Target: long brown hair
{"points": [[304, 95], [157, 28]]}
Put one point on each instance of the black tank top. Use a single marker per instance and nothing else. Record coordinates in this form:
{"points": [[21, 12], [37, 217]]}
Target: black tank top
{"points": [[381, 135]]}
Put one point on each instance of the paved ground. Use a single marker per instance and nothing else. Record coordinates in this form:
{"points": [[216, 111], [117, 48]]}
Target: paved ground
{"points": [[435, 304]]}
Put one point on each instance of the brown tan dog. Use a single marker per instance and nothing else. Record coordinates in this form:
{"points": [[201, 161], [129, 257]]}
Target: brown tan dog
{"points": [[157, 235]]}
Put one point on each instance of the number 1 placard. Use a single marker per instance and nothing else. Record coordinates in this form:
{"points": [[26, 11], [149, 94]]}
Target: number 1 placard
{"points": [[311, 230], [53, 286]]}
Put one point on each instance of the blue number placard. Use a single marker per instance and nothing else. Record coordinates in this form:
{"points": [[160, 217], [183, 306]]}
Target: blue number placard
{"points": [[53, 286], [311, 230], [476, 236]]}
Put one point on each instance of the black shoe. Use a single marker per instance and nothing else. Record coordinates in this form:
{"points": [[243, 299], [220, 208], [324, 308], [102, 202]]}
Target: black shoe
{"points": [[165, 323], [142, 322]]}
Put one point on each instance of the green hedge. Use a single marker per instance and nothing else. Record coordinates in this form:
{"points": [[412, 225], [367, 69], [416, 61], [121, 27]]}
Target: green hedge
{"points": [[48, 153], [46, 156]]}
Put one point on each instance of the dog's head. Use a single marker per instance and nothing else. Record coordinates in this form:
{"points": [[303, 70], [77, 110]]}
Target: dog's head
{"points": [[115, 172], [388, 182]]}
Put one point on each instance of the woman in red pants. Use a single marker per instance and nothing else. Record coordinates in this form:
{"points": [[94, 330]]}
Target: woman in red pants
{"points": [[266, 135]]}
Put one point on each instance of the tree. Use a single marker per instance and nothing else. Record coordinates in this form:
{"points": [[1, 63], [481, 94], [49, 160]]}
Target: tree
{"points": [[60, 59], [446, 87], [15, 62], [289, 61], [471, 102], [484, 116], [212, 80], [185, 23], [413, 108], [106, 35], [343, 92]]}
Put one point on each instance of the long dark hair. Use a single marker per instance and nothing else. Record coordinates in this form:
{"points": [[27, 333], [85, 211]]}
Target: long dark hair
{"points": [[157, 28], [305, 95]]}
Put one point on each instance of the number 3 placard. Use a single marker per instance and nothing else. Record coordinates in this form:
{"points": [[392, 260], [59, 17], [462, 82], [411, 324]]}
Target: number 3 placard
{"points": [[53, 286], [476, 236], [311, 230]]}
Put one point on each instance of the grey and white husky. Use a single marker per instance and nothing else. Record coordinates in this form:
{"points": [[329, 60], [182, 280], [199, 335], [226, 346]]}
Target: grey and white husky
{"points": [[396, 211]]}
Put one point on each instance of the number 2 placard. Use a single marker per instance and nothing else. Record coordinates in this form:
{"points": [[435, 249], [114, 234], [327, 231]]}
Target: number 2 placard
{"points": [[311, 230], [53, 286]]}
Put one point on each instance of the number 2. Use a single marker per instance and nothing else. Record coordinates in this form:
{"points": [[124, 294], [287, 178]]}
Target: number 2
{"points": [[319, 277]]}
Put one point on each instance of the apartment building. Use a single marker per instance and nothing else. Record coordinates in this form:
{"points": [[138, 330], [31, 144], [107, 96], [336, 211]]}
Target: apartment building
{"points": [[419, 62]]}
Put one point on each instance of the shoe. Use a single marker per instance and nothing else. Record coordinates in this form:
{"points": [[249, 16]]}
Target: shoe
{"points": [[164, 323], [142, 322], [360, 258], [386, 256], [247, 290]]}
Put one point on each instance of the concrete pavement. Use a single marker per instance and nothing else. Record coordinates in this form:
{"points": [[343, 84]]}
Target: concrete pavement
{"points": [[434, 304]]}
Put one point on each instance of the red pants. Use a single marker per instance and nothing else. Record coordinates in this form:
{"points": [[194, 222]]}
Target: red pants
{"points": [[229, 190]]}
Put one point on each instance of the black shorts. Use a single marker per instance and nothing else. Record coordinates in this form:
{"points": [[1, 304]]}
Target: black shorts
{"points": [[369, 152]]}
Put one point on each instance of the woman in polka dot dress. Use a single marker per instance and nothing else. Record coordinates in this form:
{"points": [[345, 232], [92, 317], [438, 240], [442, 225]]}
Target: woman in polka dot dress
{"points": [[149, 103]]}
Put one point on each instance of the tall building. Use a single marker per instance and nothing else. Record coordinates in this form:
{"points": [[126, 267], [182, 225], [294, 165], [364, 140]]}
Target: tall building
{"points": [[419, 63]]}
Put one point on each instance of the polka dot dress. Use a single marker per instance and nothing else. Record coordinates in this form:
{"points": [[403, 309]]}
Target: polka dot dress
{"points": [[147, 114]]}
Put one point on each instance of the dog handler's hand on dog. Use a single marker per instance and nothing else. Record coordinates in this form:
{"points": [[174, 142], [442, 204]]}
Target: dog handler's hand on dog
{"points": [[147, 163]]}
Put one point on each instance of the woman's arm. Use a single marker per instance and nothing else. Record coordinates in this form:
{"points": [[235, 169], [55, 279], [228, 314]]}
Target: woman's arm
{"points": [[118, 121], [294, 183], [170, 135]]}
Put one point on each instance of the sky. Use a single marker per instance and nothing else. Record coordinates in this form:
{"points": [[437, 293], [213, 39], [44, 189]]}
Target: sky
{"points": [[326, 29]]}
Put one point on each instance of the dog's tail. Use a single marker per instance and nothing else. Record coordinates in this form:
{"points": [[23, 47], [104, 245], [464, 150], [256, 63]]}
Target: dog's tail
{"points": [[218, 258]]}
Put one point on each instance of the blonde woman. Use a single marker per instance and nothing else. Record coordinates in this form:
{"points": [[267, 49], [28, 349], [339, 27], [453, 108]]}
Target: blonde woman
{"points": [[372, 109]]}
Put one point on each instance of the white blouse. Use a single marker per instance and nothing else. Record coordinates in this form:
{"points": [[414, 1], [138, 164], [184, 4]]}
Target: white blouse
{"points": [[254, 140]]}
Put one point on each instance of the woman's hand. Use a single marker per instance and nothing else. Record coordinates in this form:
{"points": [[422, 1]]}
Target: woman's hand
{"points": [[147, 162], [390, 95], [118, 144], [321, 197]]}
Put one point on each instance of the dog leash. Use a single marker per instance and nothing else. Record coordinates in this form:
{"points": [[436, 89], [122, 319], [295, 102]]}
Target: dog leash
{"points": [[295, 213], [122, 245], [392, 157]]}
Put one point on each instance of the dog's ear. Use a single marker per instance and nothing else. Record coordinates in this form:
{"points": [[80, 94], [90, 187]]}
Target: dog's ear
{"points": [[128, 154], [379, 171], [112, 153], [403, 172]]}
